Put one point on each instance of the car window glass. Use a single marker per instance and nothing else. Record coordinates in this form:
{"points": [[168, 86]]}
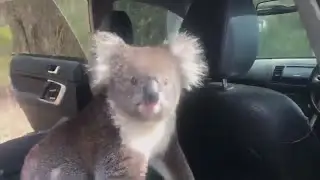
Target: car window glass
{"points": [[283, 35], [40, 27], [13, 122], [149, 22], [77, 16], [173, 24]]}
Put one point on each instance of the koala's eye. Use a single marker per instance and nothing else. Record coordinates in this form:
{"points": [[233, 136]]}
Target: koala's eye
{"points": [[134, 81]]}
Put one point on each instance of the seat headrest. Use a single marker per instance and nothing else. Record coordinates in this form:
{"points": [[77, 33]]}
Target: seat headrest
{"points": [[119, 22], [229, 32]]}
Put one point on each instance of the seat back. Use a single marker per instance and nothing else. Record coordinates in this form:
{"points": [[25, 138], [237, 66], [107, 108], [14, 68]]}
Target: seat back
{"points": [[229, 33]]}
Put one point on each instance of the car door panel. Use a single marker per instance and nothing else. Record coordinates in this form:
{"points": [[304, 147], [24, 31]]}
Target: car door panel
{"points": [[48, 88]]}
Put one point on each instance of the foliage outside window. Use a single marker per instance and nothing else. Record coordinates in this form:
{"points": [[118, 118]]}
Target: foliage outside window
{"points": [[76, 14], [5, 52], [42, 27], [149, 22], [283, 35], [13, 122]]}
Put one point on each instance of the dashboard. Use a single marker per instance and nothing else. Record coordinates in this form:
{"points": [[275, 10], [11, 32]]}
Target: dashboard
{"points": [[288, 76]]}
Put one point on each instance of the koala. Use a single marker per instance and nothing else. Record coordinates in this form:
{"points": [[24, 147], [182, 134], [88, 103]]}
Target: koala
{"points": [[131, 120]]}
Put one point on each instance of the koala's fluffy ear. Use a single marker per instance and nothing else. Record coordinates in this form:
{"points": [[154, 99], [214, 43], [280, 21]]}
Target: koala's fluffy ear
{"points": [[189, 53], [105, 47]]}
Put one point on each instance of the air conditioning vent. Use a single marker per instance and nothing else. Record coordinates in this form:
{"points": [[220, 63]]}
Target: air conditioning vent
{"points": [[277, 73]]}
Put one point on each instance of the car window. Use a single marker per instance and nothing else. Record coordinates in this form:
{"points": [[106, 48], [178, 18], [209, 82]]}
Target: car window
{"points": [[13, 122], [283, 35], [151, 24], [44, 27], [77, 16]]}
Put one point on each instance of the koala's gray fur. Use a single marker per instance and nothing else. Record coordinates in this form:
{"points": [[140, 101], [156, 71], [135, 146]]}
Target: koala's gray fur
{"points": [[85, 147], [131, 121]]}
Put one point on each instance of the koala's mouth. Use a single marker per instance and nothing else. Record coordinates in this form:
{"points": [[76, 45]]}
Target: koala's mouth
{"points": [[149, 109]]}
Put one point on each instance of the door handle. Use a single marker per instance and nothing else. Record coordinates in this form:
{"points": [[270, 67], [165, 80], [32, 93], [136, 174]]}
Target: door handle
{"points": [[53, 69], [53, 92]]}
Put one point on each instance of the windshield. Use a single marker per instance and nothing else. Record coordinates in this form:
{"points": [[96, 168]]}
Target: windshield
{"points": [[283, 35]]}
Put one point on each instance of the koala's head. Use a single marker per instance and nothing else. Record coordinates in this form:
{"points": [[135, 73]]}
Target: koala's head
{"points": [[145, 82]]}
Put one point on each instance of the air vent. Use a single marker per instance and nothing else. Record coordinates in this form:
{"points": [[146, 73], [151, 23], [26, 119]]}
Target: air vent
{"points": [[277, 73]]}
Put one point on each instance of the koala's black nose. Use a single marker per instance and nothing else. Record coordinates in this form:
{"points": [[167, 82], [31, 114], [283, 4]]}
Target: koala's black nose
{"points": [[151, 92]]}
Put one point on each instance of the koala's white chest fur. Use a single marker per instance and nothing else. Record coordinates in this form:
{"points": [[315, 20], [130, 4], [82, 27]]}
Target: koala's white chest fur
{"points": [[148, 139]]}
